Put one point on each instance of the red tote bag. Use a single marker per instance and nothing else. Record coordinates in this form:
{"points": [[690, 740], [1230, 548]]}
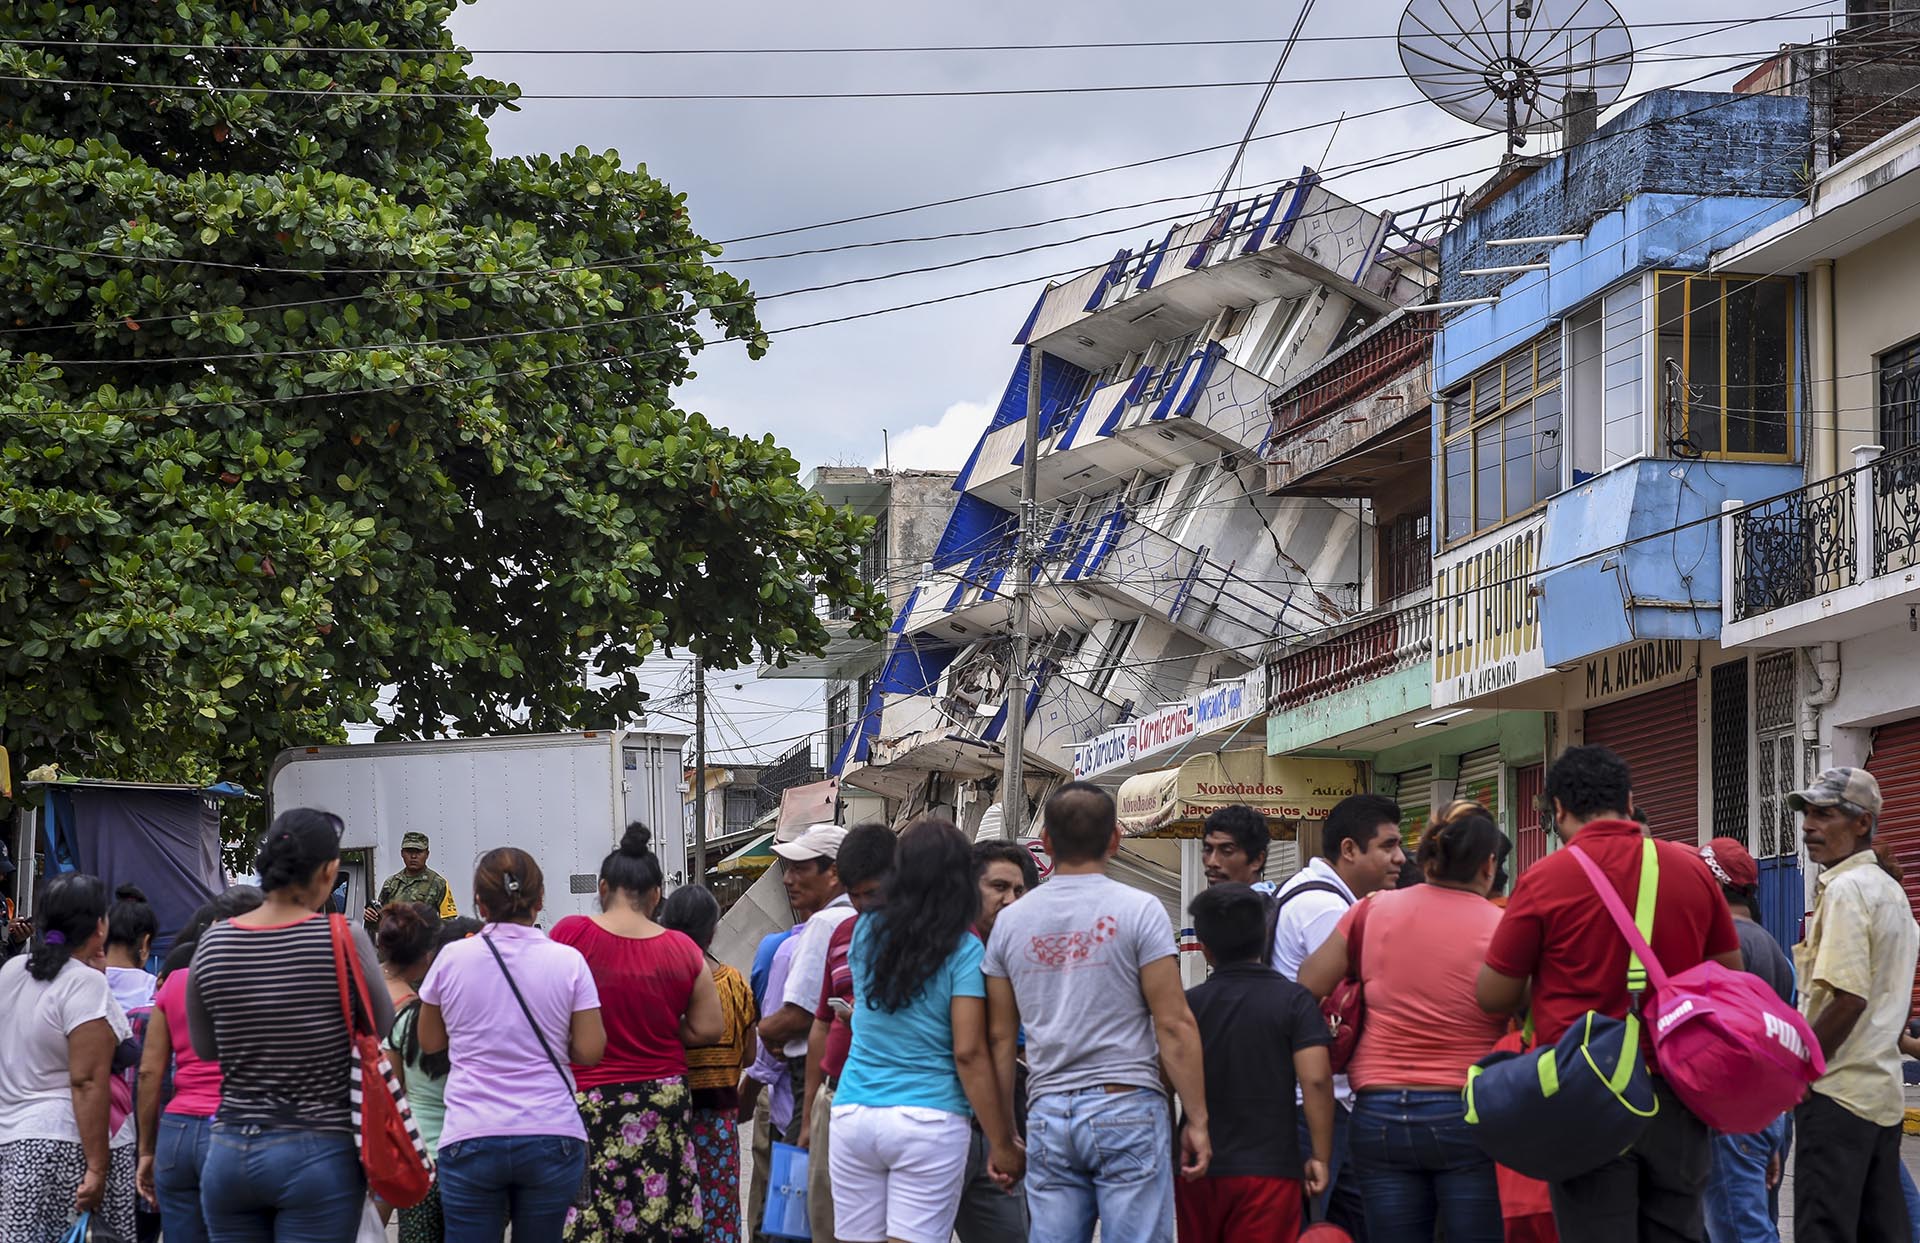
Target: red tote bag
{"points": [[392, 1152]]}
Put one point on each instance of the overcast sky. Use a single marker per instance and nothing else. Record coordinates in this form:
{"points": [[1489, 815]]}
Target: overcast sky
{"points": [[926, 377]]}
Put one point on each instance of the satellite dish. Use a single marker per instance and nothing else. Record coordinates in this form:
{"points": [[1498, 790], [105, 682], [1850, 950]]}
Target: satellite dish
{"points": [[1513, 66]]}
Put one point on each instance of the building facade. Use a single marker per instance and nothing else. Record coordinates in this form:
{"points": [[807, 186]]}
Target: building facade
{"points": [[1821, 582], [1163, 565]]}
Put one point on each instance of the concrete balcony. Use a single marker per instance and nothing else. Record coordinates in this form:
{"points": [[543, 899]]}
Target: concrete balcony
{"points": [[1147, 573], [1373, 675], [1067, 713], [1282, 244], [1834, 560], [1192, 410], [1348, 427]]}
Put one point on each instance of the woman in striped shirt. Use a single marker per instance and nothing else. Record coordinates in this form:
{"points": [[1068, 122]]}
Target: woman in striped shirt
{"points": [[263, 1000]]}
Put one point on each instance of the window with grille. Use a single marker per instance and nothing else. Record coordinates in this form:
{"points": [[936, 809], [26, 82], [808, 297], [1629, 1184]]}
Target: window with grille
{"points": [[1900, 397], [1729, 740], [839, 716], [1724, 371], [1777, 750], [1501, 453], [1406, 555]]}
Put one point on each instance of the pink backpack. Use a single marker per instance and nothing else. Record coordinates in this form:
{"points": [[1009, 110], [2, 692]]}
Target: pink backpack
{"points": [[1734, 1053]]}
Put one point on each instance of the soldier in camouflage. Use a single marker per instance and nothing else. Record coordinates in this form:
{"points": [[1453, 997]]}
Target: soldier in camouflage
{"points": [[416, 882]]}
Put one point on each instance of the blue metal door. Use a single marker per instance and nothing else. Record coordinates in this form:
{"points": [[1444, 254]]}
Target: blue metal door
{"points": [[1782, 899]]}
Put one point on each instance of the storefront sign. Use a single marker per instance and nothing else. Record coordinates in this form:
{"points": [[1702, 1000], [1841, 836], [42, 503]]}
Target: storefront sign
{"points": [[1219, 707], [1486, 618], [1174, 801], [1634, 668]]}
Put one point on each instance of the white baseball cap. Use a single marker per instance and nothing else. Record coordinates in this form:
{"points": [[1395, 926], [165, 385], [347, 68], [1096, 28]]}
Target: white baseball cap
{"points": [[821, 841]]}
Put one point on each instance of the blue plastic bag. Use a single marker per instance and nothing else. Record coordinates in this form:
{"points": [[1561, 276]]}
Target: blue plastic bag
{"points": [[88, 1229], [787, 1194]]}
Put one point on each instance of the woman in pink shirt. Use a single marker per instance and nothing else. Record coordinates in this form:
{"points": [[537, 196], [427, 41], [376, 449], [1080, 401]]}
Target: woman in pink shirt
{"points": [[173, 1145], [1420, 952]]}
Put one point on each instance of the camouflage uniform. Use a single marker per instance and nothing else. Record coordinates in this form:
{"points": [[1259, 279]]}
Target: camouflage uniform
{"points": [[428, 888]]}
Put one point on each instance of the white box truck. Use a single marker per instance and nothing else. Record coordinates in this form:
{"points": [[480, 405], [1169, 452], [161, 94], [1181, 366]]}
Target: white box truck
{"points": [[563, 798]]}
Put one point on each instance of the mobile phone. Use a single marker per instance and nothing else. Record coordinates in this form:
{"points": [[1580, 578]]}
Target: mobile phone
{"points": [[842, 1008]]}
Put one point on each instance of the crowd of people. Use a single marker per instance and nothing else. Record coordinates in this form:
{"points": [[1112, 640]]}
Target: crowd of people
{"points": [[961, 1049]]}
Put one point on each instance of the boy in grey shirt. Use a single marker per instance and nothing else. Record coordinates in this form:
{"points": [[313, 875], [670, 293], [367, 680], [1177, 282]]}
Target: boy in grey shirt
{"points": [[1090, 967]]}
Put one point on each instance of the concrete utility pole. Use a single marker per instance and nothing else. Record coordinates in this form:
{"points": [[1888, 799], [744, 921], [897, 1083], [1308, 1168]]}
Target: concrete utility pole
{"points": [[699, 876], [1013, 787]]}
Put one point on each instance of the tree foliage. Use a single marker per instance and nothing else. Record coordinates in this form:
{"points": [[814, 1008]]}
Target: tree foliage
{"points": [[308, 400]]}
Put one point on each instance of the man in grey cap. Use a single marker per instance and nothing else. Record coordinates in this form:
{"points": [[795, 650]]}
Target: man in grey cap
{"points": [[414, 882], [1856, 983]]}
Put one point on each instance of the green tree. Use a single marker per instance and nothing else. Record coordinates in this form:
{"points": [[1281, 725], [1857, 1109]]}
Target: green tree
{"points": [[307, 398]]}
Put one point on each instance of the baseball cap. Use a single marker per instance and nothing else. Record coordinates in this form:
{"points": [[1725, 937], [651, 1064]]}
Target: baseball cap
{"points": [[1730, 863], [1839, 785], [821, 841], [413, 841]]}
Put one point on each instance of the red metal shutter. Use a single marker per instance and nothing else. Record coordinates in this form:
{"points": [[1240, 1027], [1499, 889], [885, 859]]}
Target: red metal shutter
{"points": [[1657, 735], [1529, 822], [1895, 763]]}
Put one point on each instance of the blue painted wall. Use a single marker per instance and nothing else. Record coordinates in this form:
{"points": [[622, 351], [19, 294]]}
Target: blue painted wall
{"points": [[1687, 143], [1651, 231], [1590, 581]]}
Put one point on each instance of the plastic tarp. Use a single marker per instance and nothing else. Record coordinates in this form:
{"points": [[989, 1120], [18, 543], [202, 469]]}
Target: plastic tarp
{"points": [[165, 841]]}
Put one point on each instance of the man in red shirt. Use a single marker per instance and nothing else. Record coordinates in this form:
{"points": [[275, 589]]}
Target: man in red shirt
{"points": [[1556, 934]]}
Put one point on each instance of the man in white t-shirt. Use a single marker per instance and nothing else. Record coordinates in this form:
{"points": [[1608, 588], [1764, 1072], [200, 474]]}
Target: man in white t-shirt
{"points": [[1363, 854], [812, 881]]}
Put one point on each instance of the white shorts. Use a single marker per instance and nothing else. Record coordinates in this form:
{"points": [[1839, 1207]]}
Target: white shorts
{"points": [[897, 1172]]}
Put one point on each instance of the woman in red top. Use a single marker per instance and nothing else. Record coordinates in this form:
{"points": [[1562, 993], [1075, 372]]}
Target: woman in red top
{"points": [[657, 999], [1420, 952]]}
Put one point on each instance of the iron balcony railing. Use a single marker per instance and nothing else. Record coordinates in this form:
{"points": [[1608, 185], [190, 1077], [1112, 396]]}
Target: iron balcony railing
{"points": [[1809, 542]]}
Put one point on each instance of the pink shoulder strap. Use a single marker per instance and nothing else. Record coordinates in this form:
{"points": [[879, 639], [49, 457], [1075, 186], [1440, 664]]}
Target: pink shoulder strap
{"points": [[1610, 898]]}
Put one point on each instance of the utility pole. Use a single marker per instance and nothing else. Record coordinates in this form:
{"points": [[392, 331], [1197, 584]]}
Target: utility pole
{"points": [[1013, 787], [699, 876]]}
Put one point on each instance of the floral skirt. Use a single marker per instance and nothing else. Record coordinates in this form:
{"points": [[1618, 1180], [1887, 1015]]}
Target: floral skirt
{"points": [[643, 1179], [37, 1180], [716, 1140], [425, 1222]]}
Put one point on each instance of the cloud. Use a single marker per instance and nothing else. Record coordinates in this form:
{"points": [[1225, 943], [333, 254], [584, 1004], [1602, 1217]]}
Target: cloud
{"points": [[942, 445]]}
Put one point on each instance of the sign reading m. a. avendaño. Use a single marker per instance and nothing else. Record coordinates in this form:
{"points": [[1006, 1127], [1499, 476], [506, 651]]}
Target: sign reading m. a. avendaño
{"points": [[1486, 617]]}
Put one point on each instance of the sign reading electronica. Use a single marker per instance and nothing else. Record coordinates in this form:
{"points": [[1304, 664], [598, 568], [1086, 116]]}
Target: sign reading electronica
{"points": [[1169, 726], [1486, 617]]}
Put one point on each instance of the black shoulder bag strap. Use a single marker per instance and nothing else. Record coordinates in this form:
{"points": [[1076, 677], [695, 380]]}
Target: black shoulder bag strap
{"points": [[558, 1066], [1276, 902]]}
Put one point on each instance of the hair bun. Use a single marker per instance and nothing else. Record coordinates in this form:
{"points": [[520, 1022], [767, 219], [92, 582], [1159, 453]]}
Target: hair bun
{"points": [[130, 893], [637, 840]]}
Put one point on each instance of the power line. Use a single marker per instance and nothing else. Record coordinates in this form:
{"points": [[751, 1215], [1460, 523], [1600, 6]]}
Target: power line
{"points": [[1107, 45], [681, 312]]}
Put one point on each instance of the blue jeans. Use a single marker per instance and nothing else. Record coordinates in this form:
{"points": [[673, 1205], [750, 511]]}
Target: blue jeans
{"points": [[1417, 1166], [179, 1154], [1098, 1156], [1739, 1206], [1913, 1198], [264, 1184], [530, 1179]]}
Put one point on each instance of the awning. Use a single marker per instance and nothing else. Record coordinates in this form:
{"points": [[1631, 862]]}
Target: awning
{"points": [[809, 804], [751, 859], [1173, 802]]}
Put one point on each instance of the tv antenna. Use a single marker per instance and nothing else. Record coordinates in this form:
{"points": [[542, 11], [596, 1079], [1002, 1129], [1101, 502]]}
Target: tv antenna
{"points": [[1522, 67]]}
